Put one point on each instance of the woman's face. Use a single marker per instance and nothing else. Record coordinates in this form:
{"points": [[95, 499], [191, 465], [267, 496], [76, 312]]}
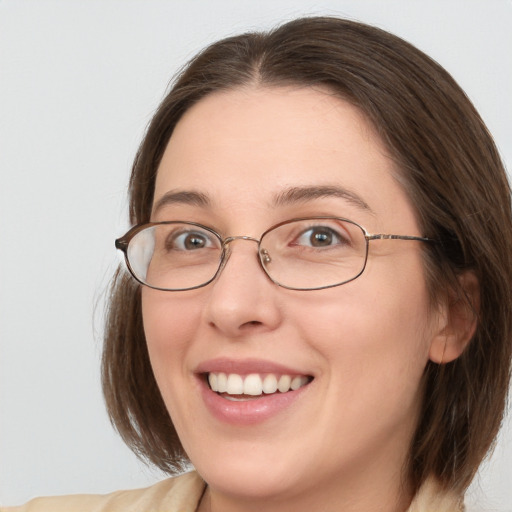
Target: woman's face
{"points": [[248, 159]]}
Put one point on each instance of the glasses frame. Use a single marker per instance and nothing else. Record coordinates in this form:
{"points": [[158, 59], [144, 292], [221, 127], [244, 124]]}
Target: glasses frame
{"points": [[123, 242]]}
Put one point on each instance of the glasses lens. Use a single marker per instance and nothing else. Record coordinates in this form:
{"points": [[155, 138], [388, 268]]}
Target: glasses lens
{"points": [[174, 255], [313, 253]]}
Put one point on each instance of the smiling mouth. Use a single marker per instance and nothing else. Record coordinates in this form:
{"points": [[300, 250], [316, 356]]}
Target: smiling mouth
{"points": [[235, 387]]}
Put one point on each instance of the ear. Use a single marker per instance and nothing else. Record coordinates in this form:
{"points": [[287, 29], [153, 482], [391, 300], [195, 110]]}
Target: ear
{"points": [[458, 320]]}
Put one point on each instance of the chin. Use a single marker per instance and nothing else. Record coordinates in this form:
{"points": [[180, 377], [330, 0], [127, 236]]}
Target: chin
{"points": [[251, 482]]}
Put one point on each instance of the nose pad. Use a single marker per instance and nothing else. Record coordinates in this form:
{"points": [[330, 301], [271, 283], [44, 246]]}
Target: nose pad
{"points": [[265, 256], [226, 253]]}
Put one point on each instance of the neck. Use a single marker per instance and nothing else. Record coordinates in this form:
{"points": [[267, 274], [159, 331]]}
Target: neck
{"points": [[385, 496]]}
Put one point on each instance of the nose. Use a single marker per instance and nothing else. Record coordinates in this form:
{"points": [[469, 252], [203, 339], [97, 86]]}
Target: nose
{"points": [[242, 299]]}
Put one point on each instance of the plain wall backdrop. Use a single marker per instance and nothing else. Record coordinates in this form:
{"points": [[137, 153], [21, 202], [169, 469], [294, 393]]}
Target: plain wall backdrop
{"points": [[78, 83]]}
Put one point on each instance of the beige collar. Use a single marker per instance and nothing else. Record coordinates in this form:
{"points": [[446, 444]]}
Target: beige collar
{"points": [[431, 498]]}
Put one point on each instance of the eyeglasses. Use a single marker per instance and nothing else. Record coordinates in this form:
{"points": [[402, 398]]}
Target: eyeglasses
{"points": [[299, 254]]}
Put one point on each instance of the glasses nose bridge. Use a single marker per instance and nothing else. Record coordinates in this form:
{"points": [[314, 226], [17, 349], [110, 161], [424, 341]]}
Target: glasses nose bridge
{"points": [[230, 239], [226, 252]]}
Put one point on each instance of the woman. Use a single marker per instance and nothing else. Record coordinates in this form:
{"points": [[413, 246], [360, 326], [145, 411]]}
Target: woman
{"points": [[319, 318]]}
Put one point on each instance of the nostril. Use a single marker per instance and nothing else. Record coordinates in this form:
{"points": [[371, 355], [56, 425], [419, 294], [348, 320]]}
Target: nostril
{"points": [[251, 324]]}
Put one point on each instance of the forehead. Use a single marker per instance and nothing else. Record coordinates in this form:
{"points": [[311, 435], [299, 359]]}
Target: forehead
{"points": [[247, 146]]}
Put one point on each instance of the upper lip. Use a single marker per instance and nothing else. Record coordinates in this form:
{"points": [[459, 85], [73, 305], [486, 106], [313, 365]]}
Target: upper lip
{"points": [[246, 366]]}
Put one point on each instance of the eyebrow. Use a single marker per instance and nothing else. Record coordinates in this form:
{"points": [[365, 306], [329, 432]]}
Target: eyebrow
{"points": [[186, 197], [289, 196], [308, 193]]}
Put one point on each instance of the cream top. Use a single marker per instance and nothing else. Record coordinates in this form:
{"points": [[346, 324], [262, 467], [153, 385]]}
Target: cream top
{"points": [[183, 493]]}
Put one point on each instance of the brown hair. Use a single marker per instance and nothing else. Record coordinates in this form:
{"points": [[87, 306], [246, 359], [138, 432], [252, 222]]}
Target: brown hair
{"points": [[450, 168]]}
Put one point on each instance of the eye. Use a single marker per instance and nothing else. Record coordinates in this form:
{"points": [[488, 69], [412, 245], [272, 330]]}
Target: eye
{"points": [[189, 241], [320, 236]]}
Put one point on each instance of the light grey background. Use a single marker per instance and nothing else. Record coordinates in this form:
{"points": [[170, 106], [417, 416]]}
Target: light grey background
{"points": [[78, 83]]}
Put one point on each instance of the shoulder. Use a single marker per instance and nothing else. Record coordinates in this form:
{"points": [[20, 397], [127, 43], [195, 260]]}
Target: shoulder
{"points": [[179, 494], [432, 498]]}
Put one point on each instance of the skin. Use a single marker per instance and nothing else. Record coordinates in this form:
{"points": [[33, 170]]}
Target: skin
{"points": [[343, 444]]}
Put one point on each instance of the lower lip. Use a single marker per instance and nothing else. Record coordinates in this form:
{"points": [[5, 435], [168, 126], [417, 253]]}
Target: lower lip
{"points": [[251, 411]]}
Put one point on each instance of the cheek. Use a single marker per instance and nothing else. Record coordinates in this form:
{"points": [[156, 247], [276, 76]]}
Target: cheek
{"points": [[169, 326], [375, 356], [376, 337], [367, 320]]}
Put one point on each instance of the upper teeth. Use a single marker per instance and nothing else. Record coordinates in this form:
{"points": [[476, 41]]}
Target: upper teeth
{"points": [[254, 384]]}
